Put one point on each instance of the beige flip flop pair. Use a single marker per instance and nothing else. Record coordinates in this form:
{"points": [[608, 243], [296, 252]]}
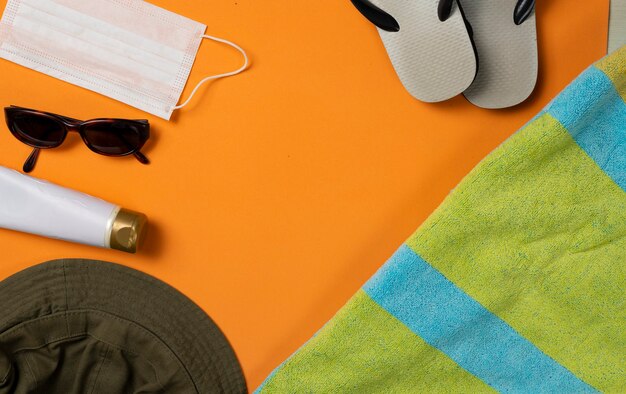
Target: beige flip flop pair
{"points": [[485, 49]]}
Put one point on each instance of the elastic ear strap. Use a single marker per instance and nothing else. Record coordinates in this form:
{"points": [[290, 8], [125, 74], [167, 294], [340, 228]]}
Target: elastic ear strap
{"points": [[228, 74]]}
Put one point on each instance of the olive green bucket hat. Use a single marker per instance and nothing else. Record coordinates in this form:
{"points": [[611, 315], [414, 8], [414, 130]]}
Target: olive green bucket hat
{"points": [[82, 326]]}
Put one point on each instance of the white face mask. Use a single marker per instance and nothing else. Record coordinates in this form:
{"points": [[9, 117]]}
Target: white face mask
{"points": [[129, 50]]}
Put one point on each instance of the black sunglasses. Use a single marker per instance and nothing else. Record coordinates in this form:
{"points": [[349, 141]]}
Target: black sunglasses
{"points": [[45, 130]]}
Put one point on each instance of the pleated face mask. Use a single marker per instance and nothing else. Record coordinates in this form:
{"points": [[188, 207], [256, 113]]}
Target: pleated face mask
{"points": [[129, 50]]}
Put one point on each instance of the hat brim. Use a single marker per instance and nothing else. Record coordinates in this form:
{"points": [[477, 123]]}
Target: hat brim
{"points": [[77, 284]]}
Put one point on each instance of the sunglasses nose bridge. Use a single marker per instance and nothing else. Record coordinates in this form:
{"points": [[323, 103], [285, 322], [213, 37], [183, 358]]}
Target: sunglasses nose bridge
{"points": [[73, 127]]}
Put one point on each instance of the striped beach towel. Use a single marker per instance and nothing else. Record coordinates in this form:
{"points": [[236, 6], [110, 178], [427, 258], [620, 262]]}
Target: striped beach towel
{"points": [[516, 283]]}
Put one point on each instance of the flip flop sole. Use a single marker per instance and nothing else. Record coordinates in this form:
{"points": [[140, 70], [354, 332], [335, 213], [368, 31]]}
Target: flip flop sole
{"points": [[507, 52], [435, 60], [617, 25]]}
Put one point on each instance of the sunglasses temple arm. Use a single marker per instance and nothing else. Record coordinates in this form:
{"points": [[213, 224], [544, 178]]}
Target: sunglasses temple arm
{"points": [[29, 164], [141, 157]]}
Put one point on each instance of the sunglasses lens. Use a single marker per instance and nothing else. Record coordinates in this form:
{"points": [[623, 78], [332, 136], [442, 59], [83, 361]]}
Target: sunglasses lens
{"points": [[114, 138], [38, 130]]}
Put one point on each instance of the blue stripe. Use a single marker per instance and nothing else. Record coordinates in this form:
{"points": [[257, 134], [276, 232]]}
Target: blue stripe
{"points": [[595, 115], [453, 322]]}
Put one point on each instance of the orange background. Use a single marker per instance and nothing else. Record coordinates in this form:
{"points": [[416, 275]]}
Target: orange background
{"points": [[279, 192]]}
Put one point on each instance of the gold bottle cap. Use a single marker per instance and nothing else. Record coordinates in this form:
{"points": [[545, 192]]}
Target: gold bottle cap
{"points": [[128, 230]]}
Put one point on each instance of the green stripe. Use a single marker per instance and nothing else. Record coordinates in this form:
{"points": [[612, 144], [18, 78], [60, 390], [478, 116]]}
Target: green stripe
{"points": [[537, 234], [614, 66], [365, 350]]}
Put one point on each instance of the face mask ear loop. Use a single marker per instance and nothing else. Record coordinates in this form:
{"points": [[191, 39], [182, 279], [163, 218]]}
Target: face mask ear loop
{"points": [[228, 74]]}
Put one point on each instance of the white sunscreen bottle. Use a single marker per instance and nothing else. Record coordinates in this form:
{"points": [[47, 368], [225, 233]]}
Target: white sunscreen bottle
{"points": [[38, 207]]}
